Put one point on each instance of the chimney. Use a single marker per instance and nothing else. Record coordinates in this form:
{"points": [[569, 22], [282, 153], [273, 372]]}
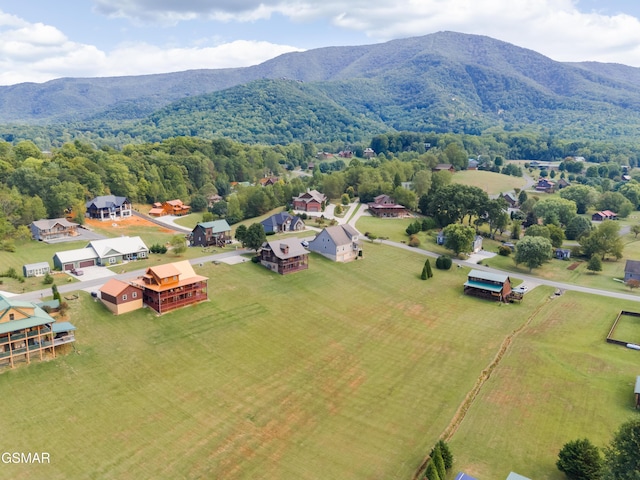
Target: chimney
{"points": [[284, 248]]}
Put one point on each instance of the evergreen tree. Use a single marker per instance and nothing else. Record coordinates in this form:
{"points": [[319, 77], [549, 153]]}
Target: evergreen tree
{"points": [[423, 275], [432, 472], [580, 460], [427, 266], [436, 458], [447, 456]]}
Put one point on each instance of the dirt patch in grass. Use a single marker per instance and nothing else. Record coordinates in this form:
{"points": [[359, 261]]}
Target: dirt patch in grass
{"points": [[574, 265], [120, 226]]}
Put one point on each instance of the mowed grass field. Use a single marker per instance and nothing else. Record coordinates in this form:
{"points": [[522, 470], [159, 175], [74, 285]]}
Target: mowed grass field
{"points": [[559, 381], [341, 371], [492, 183]]}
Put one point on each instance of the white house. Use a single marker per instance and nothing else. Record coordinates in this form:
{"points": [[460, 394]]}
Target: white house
{"points": [[338, 243]]}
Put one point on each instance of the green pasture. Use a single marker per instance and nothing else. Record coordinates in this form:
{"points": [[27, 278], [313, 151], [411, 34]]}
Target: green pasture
{"points": [[558, 381], [490, 182], [189, 221], [33, 251], [340, 371]]}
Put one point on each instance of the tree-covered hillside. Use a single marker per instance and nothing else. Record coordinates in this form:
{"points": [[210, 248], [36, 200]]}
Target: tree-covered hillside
{"points": [[444, 82]]}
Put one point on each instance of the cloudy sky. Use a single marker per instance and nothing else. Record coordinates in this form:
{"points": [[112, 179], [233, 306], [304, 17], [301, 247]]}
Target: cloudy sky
{"points": [[41, 40]]}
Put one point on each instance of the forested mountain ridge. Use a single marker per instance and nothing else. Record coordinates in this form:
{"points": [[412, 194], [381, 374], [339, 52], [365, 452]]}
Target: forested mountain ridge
{"points": [[443, 82]]}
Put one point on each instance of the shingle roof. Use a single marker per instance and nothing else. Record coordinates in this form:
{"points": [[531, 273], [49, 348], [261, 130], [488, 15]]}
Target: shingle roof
{"points": [[31, 266], [76, 255], [49, 223], [120, 245], [216, 226], [278, 219], [295, 248], [632, 266], [341, 234], [114, 287], [107, 201]]}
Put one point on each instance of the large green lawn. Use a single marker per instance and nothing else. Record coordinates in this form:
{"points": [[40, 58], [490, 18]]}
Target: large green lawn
{"points": [[340, 371], [558, 381], [490, 182]]}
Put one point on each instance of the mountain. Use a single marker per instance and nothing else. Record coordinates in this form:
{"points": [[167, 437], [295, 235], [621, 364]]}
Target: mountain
{"points": [[440, 82]]}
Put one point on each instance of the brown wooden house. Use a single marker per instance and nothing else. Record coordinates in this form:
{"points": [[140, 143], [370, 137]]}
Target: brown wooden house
{"points": [[384, 206], [170, 207], [284, 256], [494, 286], [170, 286], [121, 297]]}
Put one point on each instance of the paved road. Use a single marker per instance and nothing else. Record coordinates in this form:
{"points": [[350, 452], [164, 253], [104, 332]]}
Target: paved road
{"points": [[166, 222], [530, 280]]}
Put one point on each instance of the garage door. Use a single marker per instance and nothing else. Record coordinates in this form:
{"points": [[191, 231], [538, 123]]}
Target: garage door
{"points": [[87, 263], [68, 266]]}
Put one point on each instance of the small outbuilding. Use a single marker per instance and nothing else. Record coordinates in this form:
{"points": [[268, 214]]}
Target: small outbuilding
{"points": [[632, 270], [637, 392], [516, 476], [36, 269]]}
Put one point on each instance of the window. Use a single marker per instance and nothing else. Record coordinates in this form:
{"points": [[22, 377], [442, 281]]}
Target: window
{"points": [[112, 260], [12, 316], [124, 297], [134, 294]]}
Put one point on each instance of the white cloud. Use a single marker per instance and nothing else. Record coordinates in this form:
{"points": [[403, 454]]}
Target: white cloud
{"points": [[555, 28], [37, 53]]}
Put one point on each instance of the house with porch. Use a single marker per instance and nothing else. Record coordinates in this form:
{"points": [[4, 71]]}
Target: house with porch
{"points": [[28, 333], [207, 234], [282, 222], [385, 207], [121, 297], [310, 201], [50, 229], [494, 286], [109, 207], [284, 256], [172, 285], [338, 243]]}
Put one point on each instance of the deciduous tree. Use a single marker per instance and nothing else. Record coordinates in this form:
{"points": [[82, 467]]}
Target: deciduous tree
{"points": [[458, 238], [533, 251], [622, 456]]}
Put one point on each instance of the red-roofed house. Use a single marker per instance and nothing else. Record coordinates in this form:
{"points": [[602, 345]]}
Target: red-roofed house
{"points": [[604, 215]]}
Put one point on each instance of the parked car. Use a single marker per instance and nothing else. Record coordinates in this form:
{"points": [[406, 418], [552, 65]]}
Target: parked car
{"points": [[305, 244], [77, 272]]}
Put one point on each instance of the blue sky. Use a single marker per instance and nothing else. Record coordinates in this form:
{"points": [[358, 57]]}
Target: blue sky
{"points": [[41, 40]]}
